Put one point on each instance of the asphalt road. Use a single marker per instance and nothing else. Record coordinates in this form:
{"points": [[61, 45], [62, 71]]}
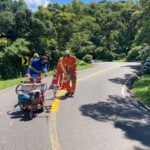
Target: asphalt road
{"points": [[101, 115]]}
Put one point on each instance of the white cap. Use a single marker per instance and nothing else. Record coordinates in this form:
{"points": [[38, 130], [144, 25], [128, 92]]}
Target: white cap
{"points": [[67, 52]]}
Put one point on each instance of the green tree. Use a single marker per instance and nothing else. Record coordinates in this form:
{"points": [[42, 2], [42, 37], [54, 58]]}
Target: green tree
{"points": [[64, 25], [11, 61], [7, 22]]}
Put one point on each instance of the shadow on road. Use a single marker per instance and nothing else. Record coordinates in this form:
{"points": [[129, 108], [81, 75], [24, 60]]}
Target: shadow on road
{"points": [[18, 114], [123, 80], [64, 97], [135, 130], [135, 66], [137, 148], [119, 80], [126, 115]]}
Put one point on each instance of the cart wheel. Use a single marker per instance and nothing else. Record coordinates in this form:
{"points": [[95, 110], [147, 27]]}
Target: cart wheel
{"points": [[41, 109], [28, 114]]}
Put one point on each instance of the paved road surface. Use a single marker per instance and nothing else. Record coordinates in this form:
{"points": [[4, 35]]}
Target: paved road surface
{"points": [[101, 116]]}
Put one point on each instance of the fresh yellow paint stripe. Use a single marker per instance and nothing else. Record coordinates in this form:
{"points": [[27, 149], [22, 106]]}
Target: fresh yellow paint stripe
{"points": [[55, 104]]}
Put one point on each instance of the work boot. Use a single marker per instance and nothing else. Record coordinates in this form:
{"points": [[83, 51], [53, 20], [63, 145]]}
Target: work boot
{"points": [[71, 94], [67, 94]]}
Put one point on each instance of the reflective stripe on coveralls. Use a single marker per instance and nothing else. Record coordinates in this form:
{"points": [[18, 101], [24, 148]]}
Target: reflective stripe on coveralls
{"points": [[33, 69]]}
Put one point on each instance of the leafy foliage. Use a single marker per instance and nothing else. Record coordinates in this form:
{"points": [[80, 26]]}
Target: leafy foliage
{"points": [[11, 59], [146, 66], [88, 58], [134, 53], [103, 30]]}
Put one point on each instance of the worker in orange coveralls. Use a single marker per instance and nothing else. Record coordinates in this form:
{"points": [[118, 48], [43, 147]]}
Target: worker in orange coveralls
{"points": [[68, 64], [59, 73], [58, 77]]}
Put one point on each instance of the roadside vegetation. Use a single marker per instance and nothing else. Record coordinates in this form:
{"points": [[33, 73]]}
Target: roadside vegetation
{"points": [[82, 65], [8, 83], [106, 30], [141, 89]]}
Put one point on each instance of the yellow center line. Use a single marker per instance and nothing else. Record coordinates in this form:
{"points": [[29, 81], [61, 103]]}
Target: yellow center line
{"points": [[92, 75], [54, 109], [52, 131], [56, 102]]}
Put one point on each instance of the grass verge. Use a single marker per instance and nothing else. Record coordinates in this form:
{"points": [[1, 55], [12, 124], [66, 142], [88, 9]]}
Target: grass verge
{"points": [[8, 83], [141, 89], [82, 65]]}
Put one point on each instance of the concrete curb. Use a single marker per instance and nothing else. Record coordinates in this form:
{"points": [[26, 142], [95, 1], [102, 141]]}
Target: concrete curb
{"points": [[130, 85]]}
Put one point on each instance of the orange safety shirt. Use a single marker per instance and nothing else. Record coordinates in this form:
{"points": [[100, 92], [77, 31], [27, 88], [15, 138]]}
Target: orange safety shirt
{"points": [[69, 63]]}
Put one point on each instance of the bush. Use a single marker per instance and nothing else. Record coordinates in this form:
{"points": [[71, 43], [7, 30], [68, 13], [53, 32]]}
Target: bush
{"points": [[103, 54], [144, 53], [146, 66], [120, 56], [88, 58], [81, 63], [133, 54]]}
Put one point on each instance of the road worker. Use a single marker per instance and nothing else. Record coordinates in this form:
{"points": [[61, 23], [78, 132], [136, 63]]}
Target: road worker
{"points": [[37, 67], [68, 64], [58, 76], [35, 55]]}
